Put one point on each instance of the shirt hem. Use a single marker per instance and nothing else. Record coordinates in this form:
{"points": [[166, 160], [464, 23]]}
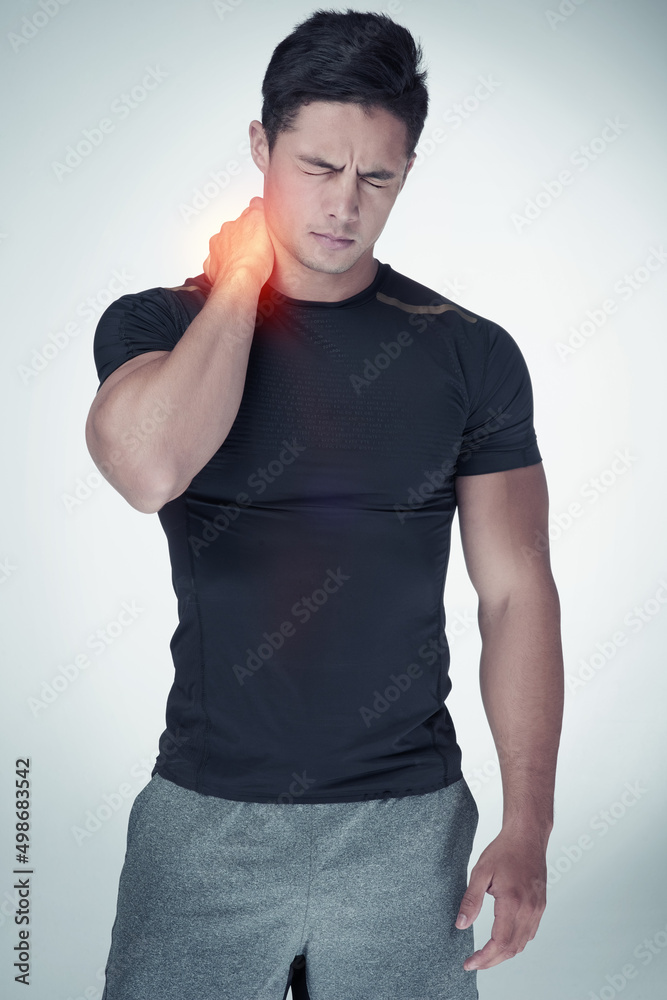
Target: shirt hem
{"points": [[279, 798]]}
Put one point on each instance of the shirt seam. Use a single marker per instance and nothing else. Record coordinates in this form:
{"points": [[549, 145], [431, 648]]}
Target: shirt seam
{"points": [[205, 749], [485, 367]]}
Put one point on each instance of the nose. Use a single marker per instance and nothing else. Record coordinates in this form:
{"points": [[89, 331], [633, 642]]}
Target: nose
{"points": [[341, 200]]}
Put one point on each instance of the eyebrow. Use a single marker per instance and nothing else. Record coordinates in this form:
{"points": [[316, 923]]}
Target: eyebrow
{"points": [[316, 161]]}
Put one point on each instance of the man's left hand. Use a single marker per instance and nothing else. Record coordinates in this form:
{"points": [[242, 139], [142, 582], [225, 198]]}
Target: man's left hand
{"points": [[513, 870]]}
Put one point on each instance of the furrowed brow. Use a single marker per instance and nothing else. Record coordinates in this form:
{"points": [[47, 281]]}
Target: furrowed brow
{"points": [[316, 161]]}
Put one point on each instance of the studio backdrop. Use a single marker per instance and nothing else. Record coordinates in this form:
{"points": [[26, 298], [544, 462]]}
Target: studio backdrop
{"points": [[538, 201]]}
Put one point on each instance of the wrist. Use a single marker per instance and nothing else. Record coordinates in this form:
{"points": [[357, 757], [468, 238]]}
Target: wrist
{"points": [[242, 281], [528, 825], [245, 274]]}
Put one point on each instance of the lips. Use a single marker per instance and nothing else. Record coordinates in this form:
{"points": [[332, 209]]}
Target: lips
{"points": [[333, 242]]}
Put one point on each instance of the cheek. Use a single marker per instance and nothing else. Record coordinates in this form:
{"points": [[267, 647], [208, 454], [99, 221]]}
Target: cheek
{"points": [[376, 217], [289, 203]]}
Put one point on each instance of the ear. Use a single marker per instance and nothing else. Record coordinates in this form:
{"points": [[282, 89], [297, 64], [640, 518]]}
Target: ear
{"points": [[408, 168], [259, 146]]}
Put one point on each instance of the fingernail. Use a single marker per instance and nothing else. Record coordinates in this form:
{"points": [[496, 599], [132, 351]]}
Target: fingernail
{"points": [[461, 920]]}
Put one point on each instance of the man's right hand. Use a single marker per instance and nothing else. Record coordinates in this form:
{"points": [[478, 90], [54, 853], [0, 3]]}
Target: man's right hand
{"points": [[241, 245]]}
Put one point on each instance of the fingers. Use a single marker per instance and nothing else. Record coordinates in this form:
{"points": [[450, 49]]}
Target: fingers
{"points": [[255, 202], [499, 947], [515, 924], [242, 243]]}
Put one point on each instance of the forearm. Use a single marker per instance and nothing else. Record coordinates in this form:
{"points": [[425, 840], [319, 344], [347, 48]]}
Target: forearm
{"points": [[521, 679], [188, 399]]}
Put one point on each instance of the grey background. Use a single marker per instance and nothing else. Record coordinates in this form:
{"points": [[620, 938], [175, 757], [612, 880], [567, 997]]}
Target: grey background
{"points": [[73, 550]]}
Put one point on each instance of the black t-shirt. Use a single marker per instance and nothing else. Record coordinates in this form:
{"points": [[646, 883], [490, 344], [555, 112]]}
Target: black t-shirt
{"points": [[309, 554]]}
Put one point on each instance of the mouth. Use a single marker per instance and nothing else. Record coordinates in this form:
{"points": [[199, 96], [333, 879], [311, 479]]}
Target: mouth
{"points": [[332, 242]]}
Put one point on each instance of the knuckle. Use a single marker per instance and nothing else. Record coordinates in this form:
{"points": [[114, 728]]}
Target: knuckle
{"points": [[505, 947]]}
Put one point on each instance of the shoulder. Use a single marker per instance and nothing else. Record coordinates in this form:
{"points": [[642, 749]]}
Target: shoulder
{"points": [[398, 291], [440, 314], [447, 327], [435, 318], [199, 284], [171, 305]]}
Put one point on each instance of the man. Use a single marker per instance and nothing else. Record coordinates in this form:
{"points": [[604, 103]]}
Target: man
{"points": [[312, 418]]}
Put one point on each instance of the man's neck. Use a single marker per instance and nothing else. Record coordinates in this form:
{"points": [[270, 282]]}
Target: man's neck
{"points": [[321, 286]]}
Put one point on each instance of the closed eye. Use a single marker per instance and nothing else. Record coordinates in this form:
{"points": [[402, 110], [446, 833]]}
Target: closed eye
{"points": [[328, 172]]}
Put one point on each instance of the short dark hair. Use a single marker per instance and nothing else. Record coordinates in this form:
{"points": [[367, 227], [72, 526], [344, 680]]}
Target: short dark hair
{"points": [[354, 57]]}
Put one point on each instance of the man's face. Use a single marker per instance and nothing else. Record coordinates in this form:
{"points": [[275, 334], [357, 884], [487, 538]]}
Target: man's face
{"points": [[314, 182]]}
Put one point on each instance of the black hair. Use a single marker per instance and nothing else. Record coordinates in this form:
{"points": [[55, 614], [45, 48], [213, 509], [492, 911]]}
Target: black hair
{"points": [[354, 57]]}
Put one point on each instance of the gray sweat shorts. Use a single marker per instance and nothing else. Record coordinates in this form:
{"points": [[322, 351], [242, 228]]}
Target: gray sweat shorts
{"points": [[227, 900]]}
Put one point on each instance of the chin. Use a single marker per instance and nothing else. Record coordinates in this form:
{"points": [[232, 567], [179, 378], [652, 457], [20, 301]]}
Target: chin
{"points": [[328, 268], [338, 262]]}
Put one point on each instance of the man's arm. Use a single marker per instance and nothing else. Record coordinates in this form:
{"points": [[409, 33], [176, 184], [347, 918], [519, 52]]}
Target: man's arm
{"points": [[503, 518], [196, 387]]}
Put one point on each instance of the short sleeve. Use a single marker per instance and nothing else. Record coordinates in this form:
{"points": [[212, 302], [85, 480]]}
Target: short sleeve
{"points": [[499, 432], [132, 325]]}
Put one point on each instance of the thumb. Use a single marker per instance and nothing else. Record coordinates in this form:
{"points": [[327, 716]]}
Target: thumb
{"points": [[473, 898]]}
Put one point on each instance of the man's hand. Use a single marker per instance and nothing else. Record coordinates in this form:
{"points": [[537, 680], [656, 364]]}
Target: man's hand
{"points": [[513, 870], [241, 245], [522, 686]]}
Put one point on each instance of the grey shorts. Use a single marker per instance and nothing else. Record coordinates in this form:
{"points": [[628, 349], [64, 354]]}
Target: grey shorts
{"points": [[226, 900]]}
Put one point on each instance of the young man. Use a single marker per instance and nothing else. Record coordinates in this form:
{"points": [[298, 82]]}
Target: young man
{"points": [[312, 419]]}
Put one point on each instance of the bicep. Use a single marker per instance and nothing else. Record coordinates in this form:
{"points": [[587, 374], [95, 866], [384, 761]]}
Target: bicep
{"points": [[118, 374], [503, 519]]}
